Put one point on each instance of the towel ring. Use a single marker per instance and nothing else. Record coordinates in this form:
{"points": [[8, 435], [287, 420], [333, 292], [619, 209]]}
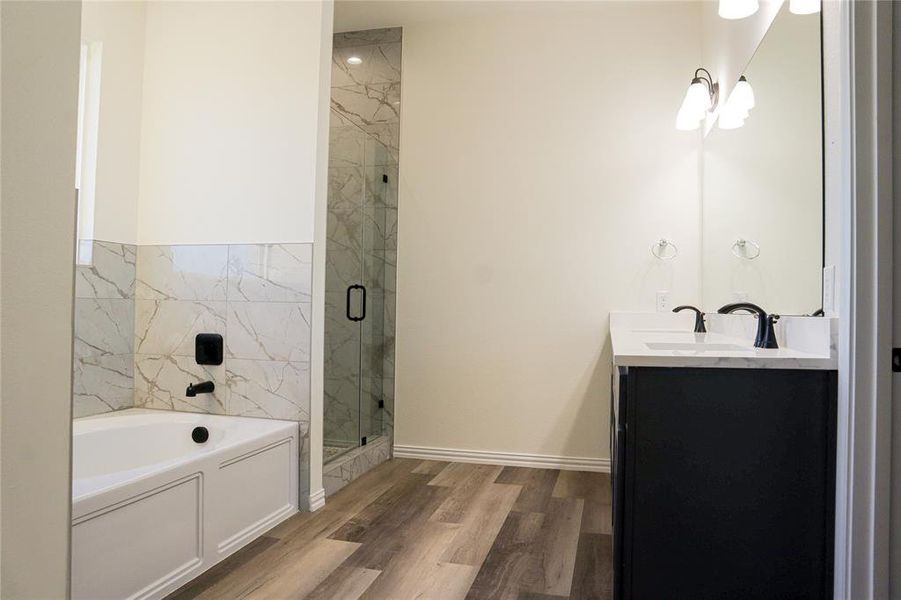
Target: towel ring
{"points": [[664, 249], [746, 249]]}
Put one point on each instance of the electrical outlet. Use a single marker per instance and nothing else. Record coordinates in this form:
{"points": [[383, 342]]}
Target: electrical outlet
{"points": [[829, 290], [663, 301], [739, 296]]}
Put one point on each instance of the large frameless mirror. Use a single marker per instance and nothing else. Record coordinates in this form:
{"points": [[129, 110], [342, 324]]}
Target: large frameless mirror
{"points": [[762, 221]]}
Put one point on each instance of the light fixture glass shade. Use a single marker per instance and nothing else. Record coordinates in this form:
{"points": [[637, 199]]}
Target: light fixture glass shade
{"points": [[737, 108], [804, 7], [697, 98], [694, 106], [743, 95], [737, 9]]}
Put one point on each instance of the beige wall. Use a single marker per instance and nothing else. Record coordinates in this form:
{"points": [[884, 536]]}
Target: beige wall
{"points": [[214, 129], [230, 117], [40, 49], [119, 27], [539, 161]]}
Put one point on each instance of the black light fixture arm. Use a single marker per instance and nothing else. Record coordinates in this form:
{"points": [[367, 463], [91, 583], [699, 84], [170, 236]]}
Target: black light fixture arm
{"points": [[713, 88]]}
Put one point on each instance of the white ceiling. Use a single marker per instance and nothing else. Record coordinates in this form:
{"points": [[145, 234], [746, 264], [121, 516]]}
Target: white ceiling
{"points": [[356, 15]]}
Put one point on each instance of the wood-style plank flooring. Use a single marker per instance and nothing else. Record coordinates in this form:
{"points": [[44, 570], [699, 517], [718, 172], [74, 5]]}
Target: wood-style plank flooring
{"points": [[434, 530]]}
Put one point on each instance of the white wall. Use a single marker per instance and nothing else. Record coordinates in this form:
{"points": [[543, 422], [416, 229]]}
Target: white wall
{"points": [[539, 161], [230, 117], [40, 49], [119, 27], [764, 180]]}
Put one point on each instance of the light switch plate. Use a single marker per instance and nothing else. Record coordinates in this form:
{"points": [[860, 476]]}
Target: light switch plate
{"points": [[663, 301]]}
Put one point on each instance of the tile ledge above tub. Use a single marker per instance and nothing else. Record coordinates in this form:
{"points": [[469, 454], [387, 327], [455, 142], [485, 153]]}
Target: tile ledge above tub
{"points": [[654, 340]]}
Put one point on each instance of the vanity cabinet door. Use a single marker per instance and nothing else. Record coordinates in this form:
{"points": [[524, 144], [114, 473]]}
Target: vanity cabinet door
{"points": [[729, 484]]}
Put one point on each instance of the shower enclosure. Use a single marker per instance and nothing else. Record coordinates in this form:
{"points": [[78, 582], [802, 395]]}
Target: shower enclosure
{"points": [[362, 241]]}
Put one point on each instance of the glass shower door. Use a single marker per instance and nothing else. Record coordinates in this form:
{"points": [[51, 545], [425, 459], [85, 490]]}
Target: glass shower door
{"points": [[362, 187], [343, 283], [380, 201]]}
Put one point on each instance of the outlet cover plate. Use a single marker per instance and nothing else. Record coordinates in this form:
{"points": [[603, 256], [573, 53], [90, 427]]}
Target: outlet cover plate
{"points": [[663, 301]]}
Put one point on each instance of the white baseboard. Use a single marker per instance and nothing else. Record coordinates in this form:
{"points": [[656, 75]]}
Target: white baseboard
{"points": [[513, 459], [317, 500]]}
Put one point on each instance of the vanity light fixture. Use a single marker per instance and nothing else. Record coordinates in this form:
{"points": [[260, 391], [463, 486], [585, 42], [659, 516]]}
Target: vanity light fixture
{"points": [[737, 9], [738, 106], [804, 7], [700, 98], [354, 60]]}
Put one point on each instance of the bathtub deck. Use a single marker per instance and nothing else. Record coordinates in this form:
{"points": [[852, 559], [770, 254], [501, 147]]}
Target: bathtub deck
{"points": [[428, 529]]}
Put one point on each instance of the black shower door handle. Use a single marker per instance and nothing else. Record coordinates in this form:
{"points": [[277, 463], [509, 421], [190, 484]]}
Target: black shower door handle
{"points": [[350, 290]]}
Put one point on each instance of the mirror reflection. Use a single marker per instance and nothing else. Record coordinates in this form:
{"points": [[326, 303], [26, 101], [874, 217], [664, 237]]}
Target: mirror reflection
{"points": [[763, 180]]}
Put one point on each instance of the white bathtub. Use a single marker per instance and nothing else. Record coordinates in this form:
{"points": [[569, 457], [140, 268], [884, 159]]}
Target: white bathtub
{"points": [[152, 509]]}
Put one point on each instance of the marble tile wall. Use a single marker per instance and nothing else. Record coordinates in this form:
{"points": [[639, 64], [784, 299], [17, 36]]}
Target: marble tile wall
{"points": [[137, 310], [257, 296], [368, 93], [103, 371]]}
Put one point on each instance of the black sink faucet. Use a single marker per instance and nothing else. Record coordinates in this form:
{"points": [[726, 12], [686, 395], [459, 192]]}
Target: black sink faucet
{"points": [[766, 335], [206, 387], [699, 317]]}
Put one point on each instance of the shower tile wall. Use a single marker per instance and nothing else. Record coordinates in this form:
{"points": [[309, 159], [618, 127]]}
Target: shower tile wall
{"points": [[368, 94], [103, 375], [362, 228]]}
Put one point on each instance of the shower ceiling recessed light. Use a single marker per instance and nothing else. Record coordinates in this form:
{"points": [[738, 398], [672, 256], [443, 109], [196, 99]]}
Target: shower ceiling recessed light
{"points": [[355, 60]]}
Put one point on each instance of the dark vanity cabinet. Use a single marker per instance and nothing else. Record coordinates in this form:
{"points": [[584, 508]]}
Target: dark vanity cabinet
{"points": [[723, 483]]}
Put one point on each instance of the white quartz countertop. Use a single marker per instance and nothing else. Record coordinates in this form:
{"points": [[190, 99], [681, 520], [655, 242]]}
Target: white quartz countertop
{"points": [[667, 340]]}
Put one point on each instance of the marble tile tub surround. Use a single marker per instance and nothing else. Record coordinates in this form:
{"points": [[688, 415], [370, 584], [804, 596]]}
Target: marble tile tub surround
{"points": [[804, 342], [103, 375], [257, 296]]}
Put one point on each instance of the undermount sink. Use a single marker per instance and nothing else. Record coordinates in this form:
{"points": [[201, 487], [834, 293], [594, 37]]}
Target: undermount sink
{"points": [[658, 331], [697, 347]]}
